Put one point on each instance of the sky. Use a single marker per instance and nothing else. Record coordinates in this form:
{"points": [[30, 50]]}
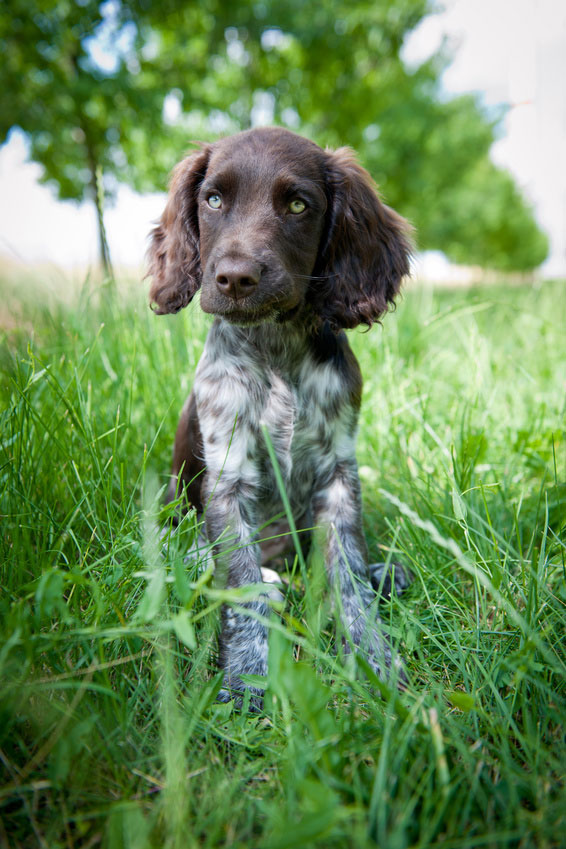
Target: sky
{"points": [[511, 51]]}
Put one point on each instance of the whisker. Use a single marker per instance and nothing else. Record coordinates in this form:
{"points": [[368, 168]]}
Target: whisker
{"points": [[314, 276]]}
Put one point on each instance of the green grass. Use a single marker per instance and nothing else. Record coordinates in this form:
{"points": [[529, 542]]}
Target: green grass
{"points": [[109, 730]]}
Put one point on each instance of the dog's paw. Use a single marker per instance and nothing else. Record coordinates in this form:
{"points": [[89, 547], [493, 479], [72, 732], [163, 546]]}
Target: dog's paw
{"points": [[371, 643], [384, 576], [236, 691], [243, 653], [388, 667]]}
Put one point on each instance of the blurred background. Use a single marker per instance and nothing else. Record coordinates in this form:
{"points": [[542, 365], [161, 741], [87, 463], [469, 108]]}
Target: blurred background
{"points": [[457, 109]]}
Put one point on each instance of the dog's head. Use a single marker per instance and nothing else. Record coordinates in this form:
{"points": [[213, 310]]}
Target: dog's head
{"points": [[266, 222]]}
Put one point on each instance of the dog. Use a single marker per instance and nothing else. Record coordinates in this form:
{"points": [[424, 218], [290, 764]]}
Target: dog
{"points": [[289, 245]]}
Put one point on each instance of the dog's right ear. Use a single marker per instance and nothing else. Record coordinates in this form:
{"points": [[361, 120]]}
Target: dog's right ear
{"points": [[174, 252]]}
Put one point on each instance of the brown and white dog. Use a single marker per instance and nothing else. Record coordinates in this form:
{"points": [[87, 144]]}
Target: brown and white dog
{"points": [[288, 244]]}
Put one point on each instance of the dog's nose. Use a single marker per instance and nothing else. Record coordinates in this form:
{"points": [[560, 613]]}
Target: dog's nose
{"points": [[237, 278]]}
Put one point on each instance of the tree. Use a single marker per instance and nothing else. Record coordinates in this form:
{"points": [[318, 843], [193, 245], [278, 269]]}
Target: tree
{"points": [[336, 73], [80, 79], [333, 71]]}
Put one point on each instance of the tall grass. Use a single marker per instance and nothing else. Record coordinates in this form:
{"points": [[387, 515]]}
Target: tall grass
{"points": [[110, 734]]}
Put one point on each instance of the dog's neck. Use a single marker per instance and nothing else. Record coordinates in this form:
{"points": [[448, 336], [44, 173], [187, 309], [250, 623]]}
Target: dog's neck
{"points": [[282, 345]]}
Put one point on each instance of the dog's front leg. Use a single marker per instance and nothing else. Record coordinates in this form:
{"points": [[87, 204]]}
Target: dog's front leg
{"points": [[230, 498], [243, 640], [337, 509]]}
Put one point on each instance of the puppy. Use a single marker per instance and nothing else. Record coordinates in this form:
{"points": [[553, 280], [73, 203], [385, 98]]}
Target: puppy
{"points": [[288, 244]]}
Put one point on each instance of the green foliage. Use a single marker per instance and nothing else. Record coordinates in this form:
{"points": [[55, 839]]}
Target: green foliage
{"points": [[79, 112], [499, 224], [109, 730], [338, 76], [334, 73]]}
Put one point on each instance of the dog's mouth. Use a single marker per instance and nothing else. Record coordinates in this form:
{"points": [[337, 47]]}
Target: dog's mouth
{"points": [[256, 308], [251, 317], [246, 317]]}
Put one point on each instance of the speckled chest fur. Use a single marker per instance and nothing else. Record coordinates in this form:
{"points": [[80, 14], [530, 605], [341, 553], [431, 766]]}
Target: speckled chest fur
{"points": [[303, 389]]}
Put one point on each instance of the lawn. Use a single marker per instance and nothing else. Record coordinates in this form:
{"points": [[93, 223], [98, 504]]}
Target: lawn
{"points": [[110, 734]]}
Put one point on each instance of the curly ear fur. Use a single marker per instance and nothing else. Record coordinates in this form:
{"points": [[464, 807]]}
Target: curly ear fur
{"points": [[174, 253], [366, 251]]}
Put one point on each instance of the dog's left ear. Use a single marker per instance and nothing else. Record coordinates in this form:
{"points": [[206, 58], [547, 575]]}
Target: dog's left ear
{"points": [[366, 249]]}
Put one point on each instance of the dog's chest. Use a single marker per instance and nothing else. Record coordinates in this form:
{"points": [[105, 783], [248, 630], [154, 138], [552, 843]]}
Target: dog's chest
{"points": [[301, 417], [288, 422], [271, 416]]}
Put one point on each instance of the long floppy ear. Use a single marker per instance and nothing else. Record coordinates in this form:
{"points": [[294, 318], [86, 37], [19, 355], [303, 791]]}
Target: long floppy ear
{"points": [[174, 252], [366, 249]]}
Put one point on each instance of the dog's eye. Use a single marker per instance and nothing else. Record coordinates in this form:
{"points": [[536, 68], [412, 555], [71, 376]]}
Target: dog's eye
{"points": [[214, 201], [297, 206]]}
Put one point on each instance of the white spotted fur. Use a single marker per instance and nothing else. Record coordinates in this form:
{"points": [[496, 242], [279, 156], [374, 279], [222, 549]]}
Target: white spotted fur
{"points": [[267, 376]]}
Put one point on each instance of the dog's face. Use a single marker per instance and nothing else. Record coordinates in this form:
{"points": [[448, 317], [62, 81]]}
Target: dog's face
{"points": [[265, 223], [261, 211]]}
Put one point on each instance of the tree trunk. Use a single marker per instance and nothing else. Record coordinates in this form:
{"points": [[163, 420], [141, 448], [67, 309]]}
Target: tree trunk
{"points": [[98, 198], [95, 170]]}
